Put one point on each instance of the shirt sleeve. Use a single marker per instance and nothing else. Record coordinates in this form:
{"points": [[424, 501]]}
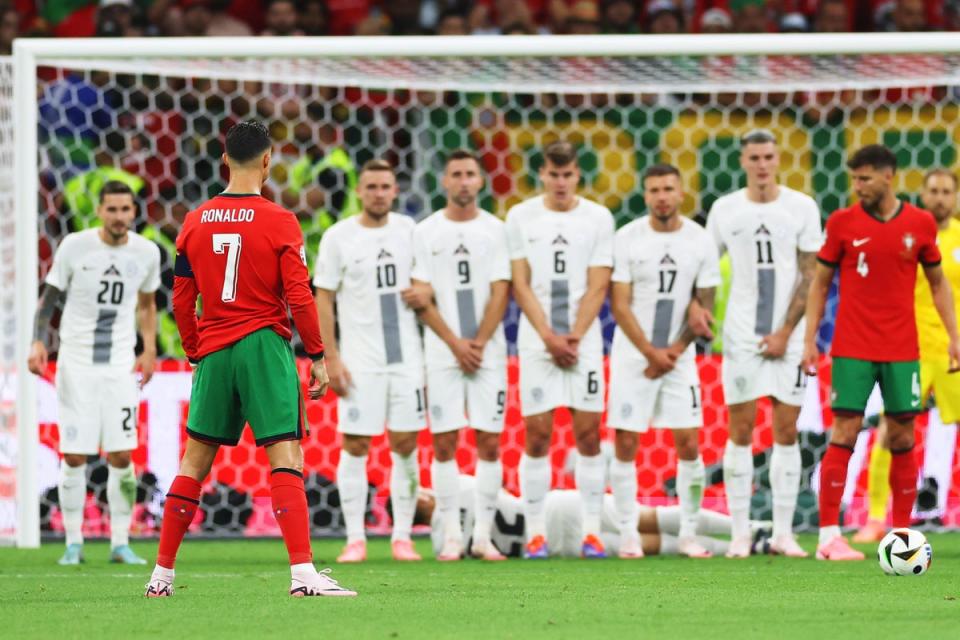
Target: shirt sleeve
{"points": [[515, 244], [621, 258], [296, 286], [810, 236], [713, 226], [421, 255], [709, 273], [929, 252], [831, 252], [501, 256], [61, 271], [328, 267], [151, 281], [602, 255]]}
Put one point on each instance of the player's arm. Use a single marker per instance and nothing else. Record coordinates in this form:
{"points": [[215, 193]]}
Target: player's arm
{"points": [[340, 379], [661, 360], [147, 323], [563, 354], [51, 298], [493, 313], [943, 300], [467, 356], [816, 301], [699, 306], [598, 282], [185, 292], [775, 344]]}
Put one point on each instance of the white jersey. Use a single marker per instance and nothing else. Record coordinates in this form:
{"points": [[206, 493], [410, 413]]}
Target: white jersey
{"points": [[367, 268], [763, 240], [460, 260], [560, 246], [663, 269], [101, 282]]}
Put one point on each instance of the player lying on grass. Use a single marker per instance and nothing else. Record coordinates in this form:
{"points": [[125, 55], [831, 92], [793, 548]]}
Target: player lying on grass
{"points": [[659, 527]]}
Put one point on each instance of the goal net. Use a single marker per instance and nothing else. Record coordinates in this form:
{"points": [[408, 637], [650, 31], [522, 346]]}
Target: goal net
{"points": [[153, 113]]}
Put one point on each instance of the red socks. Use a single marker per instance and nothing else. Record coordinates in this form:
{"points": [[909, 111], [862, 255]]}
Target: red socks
{"points": [[183, 499], [833, 479], [903, 485], [290, 509]]}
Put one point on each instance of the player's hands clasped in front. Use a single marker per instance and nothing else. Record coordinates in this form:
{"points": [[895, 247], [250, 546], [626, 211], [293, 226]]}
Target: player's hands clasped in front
{"points": [[146, 364], [811, 356], [774, 345], [563, 349], [319, 380], [37, 361], [469, 354], [339, 379], [954, 352], [660, 361]]}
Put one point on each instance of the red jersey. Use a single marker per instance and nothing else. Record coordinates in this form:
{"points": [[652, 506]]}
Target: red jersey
{"points": [[878, 273], [244, 256]]}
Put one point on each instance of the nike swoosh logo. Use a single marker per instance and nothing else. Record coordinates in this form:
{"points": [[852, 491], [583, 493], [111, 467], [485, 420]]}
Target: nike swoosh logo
{"points": [[836, 484], [860, 241], [736, 233], [438, 252]]}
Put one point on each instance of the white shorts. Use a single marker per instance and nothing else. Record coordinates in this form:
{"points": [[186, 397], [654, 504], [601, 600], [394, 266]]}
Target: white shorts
{"points": [[98, 408], [458, 400], [671, 401], [544, 386], [395, 400], [748, 376]]}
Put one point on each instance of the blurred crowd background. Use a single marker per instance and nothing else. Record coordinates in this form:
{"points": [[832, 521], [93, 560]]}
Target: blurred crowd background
{"points": [[131, 18]]}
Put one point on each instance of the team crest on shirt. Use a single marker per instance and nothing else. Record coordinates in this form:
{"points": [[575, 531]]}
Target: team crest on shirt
{"points": [[667, 260], [112, 271], [461, 251], [908, 241], [762, 230], [384, 255], [560, 240]]}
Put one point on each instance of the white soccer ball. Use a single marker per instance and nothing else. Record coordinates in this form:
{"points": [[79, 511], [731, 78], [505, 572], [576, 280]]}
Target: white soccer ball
{"points": [[904, 552]]}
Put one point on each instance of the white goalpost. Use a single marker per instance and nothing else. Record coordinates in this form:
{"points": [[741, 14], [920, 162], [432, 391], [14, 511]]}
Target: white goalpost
{"points": [[630, 100]]}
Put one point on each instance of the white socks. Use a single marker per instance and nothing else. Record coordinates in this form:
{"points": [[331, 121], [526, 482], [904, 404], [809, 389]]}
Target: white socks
{"points": [[623, 481], [828, 533], [589, 475], [709, 523], [352, 485], [72, 492], [534, 483], [489, 481], [404, 479], [690, 479], [784, 485], [120, 502], [738, 480], [446, 489]]}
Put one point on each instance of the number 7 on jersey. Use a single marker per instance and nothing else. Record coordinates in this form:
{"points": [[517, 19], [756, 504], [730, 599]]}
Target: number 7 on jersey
{"points": [[229, 242]]}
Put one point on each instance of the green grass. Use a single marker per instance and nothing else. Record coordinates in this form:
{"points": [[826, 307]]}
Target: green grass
{"points": [[237, 589]]}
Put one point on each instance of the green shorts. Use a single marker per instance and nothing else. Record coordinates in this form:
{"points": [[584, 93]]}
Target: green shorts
{"points": [[254, 380], [854, 379]]}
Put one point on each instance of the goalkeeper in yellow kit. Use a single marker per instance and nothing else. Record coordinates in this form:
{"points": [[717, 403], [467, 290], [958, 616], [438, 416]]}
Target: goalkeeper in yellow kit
{"points": [[939, 197]]}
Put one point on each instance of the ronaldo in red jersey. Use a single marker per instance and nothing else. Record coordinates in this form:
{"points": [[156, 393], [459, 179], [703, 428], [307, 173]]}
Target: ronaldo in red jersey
{"points": [[876, 244], [244, 256]]}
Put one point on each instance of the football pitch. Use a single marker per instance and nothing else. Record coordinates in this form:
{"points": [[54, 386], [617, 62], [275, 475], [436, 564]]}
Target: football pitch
{"points": [[237, 589]]}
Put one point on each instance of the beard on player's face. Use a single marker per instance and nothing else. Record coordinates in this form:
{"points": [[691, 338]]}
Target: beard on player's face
{"points": [[463, 198]]}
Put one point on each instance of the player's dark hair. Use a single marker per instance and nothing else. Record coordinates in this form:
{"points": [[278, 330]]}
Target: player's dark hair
{"points": [[462, 154], [113, 187], [560, 153], [757, 136], [873, 155], [941, 172], [247, 141], [660, 170], [376, 164]]}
